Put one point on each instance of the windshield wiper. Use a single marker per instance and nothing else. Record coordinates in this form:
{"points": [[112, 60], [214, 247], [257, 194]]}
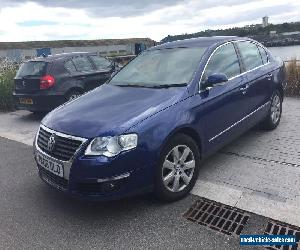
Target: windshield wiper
{"points": [[26, 76], [132, 85], [159, 86]]}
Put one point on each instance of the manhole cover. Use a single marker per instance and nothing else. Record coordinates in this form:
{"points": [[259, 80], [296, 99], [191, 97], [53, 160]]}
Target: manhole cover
{"points": [[217, 216], [279, 228]]}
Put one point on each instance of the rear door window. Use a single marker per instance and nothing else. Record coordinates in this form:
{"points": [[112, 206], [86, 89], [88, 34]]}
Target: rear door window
{"points": [[82, 64], [250, 55], [101, 62], [263, 54], [69, 65], [224, 60], [32, 68]]}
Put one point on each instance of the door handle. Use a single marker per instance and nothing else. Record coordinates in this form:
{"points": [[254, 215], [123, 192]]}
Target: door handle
{"points": [[244, 89], [269, 77]]}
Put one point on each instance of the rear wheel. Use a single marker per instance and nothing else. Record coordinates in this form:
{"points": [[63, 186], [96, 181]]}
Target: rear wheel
{"points": [[73, 95], [274, 115], [178, 168]]}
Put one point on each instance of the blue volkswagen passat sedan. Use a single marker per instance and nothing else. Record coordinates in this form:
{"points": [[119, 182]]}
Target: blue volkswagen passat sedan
{"points": [[150, 126]]}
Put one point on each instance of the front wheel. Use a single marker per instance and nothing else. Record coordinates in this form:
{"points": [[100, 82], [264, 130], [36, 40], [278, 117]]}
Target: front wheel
{"points": [[178, 169], [274, 115]]}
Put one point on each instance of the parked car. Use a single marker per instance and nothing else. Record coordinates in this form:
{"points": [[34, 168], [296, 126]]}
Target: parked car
{"points": [[46, 82], [151, 125]]}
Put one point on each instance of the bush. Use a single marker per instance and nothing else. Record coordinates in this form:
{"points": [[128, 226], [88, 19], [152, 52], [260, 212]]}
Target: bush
{"points": [[7, 74], [293, 78]]}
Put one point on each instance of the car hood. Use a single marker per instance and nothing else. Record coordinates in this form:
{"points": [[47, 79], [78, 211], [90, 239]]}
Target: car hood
{"points": [[111, 110]]}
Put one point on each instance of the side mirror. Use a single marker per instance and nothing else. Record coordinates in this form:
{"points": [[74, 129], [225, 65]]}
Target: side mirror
{"points": [[215, 79]]}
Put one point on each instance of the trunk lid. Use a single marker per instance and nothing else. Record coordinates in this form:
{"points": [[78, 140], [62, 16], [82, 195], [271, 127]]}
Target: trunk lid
{"points": [[29, 75]]}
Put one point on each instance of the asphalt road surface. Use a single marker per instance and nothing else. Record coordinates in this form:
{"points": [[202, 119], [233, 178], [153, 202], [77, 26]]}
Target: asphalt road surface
{"points": [[33, 216]]}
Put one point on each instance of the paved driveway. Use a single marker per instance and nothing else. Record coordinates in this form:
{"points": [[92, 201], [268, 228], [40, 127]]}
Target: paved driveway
{"points": [[258, 172]]}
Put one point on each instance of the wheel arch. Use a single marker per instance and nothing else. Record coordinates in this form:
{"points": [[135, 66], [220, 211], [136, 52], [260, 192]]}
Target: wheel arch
{"points": [[189, 131], [75, 88]]}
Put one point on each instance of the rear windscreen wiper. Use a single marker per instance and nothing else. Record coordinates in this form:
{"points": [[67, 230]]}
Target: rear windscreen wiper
{"points": [[26, 76]]}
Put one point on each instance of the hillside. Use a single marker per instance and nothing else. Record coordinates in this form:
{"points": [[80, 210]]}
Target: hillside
{"points": [[251, 31], [72, 43]]}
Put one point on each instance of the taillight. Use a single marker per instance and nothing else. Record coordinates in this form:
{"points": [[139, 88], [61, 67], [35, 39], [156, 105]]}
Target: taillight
{"points": [[47, 82]]}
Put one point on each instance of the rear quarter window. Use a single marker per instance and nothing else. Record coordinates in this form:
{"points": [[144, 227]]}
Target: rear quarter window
{"points": [[70, 67], [250, 55], [32, 68]]}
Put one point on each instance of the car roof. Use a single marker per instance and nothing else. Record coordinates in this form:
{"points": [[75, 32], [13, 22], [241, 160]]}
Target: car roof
{"points": [[199, 42], [56, 57]]}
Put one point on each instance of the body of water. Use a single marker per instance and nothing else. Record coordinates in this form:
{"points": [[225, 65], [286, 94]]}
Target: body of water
{"points": [[287, 52]]}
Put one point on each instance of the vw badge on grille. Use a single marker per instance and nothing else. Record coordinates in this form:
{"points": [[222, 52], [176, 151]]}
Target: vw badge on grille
{"points": [[51, 143]]}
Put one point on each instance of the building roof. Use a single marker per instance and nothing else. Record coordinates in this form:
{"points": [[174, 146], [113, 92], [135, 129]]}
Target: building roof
{"points": [[73, 43]]}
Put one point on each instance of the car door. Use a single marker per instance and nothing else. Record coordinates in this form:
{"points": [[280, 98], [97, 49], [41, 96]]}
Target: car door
{"points": [[86, 72], [258, 87], [222, 106], [104, 68]]}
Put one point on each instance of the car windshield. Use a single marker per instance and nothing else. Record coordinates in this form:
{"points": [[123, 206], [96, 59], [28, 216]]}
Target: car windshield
{"points": [[32, 69], [166, 67]]}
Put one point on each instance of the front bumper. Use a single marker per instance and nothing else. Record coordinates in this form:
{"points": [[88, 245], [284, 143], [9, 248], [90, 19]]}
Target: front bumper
{"points": [[100, 178], [40, 102]]}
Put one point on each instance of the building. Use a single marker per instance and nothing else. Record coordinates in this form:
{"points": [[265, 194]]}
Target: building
{"points": [[273, 33], [265, 21], [291, 33], [22, 51]]}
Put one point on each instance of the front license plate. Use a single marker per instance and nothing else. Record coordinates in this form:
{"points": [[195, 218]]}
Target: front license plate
{"points": [[50, 165], [27, 101]]}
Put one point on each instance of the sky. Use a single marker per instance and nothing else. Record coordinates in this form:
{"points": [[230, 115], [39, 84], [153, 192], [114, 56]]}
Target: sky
{"points": [[22, 20]]}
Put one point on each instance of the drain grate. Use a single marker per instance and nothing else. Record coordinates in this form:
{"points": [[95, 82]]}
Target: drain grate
{"points": [[279, 228], [217, 216]]}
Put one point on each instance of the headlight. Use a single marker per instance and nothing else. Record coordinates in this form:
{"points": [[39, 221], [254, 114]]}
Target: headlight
{"points": [[111, 146]]}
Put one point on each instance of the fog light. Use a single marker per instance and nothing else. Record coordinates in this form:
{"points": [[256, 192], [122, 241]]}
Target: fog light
{"points": [[109, 186]]}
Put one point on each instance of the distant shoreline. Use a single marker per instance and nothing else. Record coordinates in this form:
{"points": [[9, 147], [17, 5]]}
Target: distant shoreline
{"points": [[281, 45]]}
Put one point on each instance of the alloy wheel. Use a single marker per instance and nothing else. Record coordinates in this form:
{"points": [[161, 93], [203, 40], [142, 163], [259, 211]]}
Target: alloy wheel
{"points": [[275, 109], [178, 168]]}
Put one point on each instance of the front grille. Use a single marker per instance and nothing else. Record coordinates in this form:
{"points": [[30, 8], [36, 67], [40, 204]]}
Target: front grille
{"points": [[53, 179], [64, 148]]}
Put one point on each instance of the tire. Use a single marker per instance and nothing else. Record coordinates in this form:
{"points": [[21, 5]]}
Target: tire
{"points": [[274, 114], [73, 94], [39, 113], [174, 179]]}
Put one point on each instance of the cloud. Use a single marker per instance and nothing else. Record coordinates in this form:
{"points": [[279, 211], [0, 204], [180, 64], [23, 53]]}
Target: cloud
{"points": [[51, 20], [104, 8]]}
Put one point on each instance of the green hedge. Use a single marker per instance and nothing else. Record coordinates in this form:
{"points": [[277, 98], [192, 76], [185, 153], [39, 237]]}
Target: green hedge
{"points": [[6, 89]]}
